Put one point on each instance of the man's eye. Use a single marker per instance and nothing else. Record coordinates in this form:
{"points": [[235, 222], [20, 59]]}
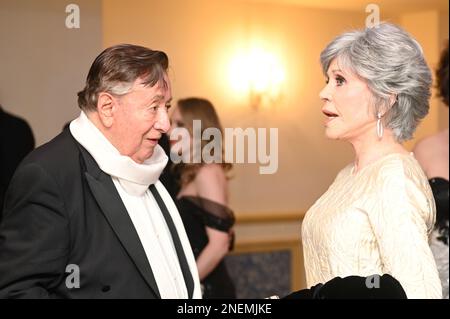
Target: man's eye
{"points": [[327, 80], [168, 106], [179, 124]]}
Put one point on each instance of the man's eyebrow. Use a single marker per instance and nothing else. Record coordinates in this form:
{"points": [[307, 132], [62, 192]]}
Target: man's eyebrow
{"points": [[160, 97]]}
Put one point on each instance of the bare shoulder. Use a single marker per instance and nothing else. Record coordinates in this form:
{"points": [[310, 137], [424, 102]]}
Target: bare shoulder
{"points": [[430, 143], [432, 154], [211, 183], [211, 171], [425, 148]]}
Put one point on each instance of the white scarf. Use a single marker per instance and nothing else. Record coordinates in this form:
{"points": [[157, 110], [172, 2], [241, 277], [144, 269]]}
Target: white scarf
{"points": [[132, 181], [135, 178]]}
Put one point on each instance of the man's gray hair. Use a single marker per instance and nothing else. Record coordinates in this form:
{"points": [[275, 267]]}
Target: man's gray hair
{"points": [[392, 64]]}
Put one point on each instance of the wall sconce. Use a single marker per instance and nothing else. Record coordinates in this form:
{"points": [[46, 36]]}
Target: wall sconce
{"points": [[260, 75]]}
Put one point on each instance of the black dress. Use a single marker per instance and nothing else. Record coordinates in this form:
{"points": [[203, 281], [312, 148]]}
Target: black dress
{"points": [[439, 237], [196, 213], [440, 188]]}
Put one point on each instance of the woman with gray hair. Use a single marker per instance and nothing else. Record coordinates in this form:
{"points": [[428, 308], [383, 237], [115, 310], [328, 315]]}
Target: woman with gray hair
{"points": [[376, 216]]}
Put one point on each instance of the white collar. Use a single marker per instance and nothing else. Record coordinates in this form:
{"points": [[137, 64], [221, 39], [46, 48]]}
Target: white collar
{"points": [[135, 178]]}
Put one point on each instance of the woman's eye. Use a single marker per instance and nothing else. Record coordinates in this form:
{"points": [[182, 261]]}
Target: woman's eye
{"points": [[179, 124], [340, 80], [327, 81]]}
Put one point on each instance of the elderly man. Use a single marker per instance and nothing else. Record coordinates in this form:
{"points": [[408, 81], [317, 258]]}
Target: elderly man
{"points": [[85, 214]]}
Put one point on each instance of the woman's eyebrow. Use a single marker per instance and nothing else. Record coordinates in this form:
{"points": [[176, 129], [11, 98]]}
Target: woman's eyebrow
{"points": [[334, 71]]}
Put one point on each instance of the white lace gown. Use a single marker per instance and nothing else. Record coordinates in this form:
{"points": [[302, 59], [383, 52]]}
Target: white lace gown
{"points": [[376, 221]]}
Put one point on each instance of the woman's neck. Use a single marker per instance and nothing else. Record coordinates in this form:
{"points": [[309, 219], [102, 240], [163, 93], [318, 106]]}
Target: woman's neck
{"points": [[369, 149]]}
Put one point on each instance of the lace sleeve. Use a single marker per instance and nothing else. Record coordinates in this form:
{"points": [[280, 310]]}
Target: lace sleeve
{"points": [[214, 215], [399, 221]]}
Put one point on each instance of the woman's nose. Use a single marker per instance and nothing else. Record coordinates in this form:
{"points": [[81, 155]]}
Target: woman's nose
{"points": [[324, 94]]}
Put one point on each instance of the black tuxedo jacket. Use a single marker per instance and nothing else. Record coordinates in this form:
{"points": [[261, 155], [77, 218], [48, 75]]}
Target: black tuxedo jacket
{"points": [[16, 141], [62, 212]]}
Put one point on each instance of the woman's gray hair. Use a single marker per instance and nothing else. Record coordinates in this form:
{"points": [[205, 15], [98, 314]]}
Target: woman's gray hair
{"points": [[392, 64]]}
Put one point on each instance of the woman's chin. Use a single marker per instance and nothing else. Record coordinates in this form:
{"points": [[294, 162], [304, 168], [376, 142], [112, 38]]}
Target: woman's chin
{"points": [[331, 135]]}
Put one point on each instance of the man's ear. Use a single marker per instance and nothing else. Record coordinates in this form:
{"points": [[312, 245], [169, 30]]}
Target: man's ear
{"points": [[106, 105]]}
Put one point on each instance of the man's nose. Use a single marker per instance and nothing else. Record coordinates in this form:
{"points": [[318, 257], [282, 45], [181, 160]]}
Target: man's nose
{"points": [[163, 123]]}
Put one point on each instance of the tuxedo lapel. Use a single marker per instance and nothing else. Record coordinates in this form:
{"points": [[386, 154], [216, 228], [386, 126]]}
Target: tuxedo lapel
{"points": [[176, 241], [107, 197]]}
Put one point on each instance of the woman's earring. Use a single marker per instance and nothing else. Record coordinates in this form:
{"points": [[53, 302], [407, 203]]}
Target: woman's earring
{"points": [[379, 126]]}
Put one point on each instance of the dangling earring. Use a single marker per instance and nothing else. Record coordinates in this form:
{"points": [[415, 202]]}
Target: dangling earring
{"points": [[379, 126]]}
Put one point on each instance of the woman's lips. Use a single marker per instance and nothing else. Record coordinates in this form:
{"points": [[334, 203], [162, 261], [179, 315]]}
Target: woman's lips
{"points": [[329, 113], [329, 116]]}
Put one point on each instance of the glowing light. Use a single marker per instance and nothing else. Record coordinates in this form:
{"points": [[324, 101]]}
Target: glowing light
{"points": [[258, 73]]}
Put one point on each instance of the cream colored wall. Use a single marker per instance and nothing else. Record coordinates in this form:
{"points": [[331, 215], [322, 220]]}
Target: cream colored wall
{"points": [[200, 36], [43, 64]]}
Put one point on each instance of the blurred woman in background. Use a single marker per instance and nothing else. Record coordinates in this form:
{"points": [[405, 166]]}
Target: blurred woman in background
{"points": [[203, 198]]}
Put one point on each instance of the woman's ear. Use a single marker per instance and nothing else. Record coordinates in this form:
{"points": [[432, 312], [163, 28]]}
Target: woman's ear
{"points": [[386, 107], [106, 105], [392, 100]]}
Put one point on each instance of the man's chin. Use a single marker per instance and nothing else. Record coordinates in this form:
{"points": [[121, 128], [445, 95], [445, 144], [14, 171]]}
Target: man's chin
{"points": [[141, 157]]}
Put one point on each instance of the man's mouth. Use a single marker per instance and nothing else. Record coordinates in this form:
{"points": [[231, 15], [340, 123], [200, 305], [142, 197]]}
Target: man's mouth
{"points": [[154, 140]]}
